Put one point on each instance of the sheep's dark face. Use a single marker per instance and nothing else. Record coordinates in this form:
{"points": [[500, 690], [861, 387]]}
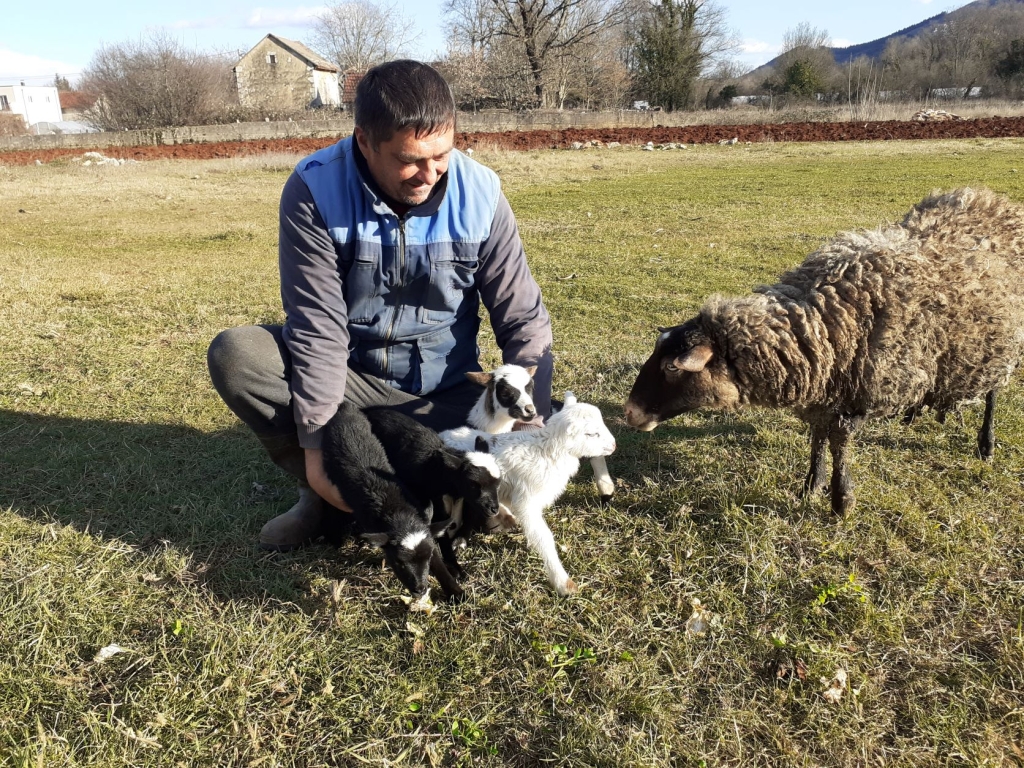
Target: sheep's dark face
{"points": [[685, 373]]}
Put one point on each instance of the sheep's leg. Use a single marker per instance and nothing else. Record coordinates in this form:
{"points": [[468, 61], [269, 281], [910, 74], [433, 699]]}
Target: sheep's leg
{"points": [[815, 481], [839, 435], [444, 578], [603, 478], [542, 541], [987, 435]]}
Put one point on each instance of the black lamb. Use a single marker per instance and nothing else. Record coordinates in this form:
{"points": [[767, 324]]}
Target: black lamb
{"points": [[432, 471], [385, 512]]}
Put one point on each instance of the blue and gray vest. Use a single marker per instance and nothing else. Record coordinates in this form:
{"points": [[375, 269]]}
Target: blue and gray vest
{"points": [[409, 284]]}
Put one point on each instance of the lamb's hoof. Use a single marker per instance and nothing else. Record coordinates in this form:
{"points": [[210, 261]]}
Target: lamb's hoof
{"points": [[606, 500], [569, 588]]}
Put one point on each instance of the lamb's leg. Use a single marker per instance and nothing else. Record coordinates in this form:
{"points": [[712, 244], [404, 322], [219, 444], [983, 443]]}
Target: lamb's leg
{"points": [[987, 435], [444, 578], [839, 435], [447, 546], [815, 480], [603, 478], [540, 539]]}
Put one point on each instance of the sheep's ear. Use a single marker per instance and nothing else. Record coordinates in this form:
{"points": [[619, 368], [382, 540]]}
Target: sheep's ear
{"points": [[531, 369], [663, 330], [376, 539], [481, 445], [479, 377], [570, 399], [696, 359]]}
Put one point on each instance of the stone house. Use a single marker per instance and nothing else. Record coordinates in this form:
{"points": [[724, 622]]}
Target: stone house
{"points": [[280, 75]]}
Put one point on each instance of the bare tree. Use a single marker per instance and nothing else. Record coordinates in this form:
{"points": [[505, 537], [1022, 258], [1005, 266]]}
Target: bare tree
{"points": [[156, 82], [359, 34], [546, 29], [803, 35]]}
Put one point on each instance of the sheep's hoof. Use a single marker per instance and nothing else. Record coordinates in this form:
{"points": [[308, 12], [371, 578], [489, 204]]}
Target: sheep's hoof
{"points": [[569, 588], [606, 500]]}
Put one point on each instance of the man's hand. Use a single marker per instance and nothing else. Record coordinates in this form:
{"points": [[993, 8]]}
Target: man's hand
{"points": [[317, 479]]}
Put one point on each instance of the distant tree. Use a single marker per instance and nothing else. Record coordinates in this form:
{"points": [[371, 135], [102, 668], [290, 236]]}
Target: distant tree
{"points": [[1011, 65], [803, 35], [670, 43], [549, 34], [61, 83], [359, 34], [806, 65], [801, 79], [156, 82]]}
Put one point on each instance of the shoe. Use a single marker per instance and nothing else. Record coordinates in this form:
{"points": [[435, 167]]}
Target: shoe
{"points": [[298, 526]]}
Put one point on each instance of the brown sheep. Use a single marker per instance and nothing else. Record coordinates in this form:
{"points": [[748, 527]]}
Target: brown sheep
{"points": [[875, 323]]}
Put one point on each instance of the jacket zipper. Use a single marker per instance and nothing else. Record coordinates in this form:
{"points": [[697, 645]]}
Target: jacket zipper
{"points": [[398, 291]]}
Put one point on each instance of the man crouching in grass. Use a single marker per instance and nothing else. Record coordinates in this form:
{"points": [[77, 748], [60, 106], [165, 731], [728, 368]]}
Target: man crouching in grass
{"points": [[389, 241]]}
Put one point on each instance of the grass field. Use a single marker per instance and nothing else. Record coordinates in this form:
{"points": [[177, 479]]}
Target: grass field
{"points": [[131, 499]]}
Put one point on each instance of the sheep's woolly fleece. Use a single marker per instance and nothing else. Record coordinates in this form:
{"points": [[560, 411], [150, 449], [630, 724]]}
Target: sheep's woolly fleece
{"points": [[927, 312]]}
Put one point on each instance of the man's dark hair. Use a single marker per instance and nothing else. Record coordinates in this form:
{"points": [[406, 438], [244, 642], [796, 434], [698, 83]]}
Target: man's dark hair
{"points": [[403, 94]]}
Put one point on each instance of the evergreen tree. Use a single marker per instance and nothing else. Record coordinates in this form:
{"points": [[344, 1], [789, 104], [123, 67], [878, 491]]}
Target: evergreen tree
{"points": [[669, 49]]}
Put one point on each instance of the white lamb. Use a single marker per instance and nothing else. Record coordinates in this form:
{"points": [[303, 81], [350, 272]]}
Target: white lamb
{"points": [[508, 398], [536, 466]]}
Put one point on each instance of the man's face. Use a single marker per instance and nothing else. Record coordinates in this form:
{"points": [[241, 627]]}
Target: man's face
{"points": [[407, 167]]}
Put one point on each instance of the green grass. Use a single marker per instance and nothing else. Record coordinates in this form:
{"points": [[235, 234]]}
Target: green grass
{"points": [[131, 499]]}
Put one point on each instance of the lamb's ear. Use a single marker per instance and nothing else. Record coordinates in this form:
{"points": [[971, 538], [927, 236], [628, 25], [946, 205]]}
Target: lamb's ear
{"points": [[570, 399], [479, 377], [481, 445], [696, 359], [439, 526], [531, 369], [376, 539]]}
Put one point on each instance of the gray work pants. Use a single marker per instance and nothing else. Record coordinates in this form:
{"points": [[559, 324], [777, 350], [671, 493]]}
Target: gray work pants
{"points": [[251, 368]]}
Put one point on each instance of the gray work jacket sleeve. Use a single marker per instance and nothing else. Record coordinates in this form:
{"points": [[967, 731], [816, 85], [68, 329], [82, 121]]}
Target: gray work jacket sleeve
{"points": [[316, 317], [512, 297]]}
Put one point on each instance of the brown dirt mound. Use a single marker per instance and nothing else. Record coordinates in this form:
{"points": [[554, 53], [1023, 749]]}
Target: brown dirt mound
{"points": [[989, 127]]}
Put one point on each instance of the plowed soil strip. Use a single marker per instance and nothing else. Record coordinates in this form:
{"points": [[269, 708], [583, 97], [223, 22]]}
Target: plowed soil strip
{"points": [[889, 130]]}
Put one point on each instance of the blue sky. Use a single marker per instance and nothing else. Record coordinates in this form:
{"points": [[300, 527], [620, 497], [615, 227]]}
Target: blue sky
{"points": [[45, 37]]}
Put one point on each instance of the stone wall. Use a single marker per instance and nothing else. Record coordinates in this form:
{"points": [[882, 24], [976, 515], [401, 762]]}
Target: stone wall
{"points": [[484, 122]]}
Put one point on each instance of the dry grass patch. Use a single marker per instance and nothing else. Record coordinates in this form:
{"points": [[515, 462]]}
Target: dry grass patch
{"points": [[130, 500]]}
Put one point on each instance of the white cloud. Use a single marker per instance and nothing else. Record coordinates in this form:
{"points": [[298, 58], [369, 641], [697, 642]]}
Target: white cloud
{"points": [[301, 16], [759, 46], [16, 66], [841, 42]]}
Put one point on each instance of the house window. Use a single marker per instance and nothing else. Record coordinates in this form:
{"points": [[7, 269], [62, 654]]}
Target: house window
{"points": [[5, 106], [271, 58]]}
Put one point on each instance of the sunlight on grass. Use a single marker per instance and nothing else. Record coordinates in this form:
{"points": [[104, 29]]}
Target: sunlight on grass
{"points": [[130, 501]]}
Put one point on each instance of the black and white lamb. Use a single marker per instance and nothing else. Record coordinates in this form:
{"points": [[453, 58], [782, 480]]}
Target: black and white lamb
{"points": [[929, 312], [536, 466], [462, 483], [386, 514], [508, 398]]}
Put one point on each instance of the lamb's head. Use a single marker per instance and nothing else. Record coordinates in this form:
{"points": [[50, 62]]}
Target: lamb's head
{"points": [[580, 430], [509, 391], [409, 545], [481, 477], [686, 372]]}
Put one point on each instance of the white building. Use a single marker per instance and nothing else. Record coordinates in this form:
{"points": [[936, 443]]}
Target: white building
{"points": [[35, 103]]}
